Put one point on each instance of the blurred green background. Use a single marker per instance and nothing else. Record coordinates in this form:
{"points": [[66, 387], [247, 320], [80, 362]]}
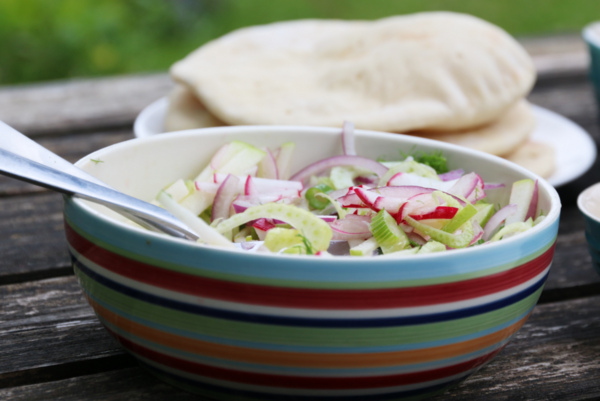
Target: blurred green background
{"points": [[56, 39]]}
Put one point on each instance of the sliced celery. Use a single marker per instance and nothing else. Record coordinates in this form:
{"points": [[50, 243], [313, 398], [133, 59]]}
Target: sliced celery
{"points": [[387, 233], [460, 218], [457, 240]]}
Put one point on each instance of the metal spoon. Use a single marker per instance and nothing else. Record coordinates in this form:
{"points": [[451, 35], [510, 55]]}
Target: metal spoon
{"points": [[24, 159]]}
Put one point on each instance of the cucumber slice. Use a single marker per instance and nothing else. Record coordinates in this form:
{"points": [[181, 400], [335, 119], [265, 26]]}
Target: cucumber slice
{"points": [[387, 233], [314, 229], [457, 240]]}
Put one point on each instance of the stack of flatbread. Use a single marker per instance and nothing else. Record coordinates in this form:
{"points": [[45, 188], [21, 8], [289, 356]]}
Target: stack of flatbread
{"points": [[442, 75]]}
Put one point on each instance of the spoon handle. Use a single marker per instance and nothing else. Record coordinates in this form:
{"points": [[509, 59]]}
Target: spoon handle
{"points": [[19, 144], [31, 171]]}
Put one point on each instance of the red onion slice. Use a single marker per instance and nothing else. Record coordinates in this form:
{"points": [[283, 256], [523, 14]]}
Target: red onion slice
{"points": [[492, 185], [496, 220], [477, 234], [224, 197], [345, 160], [533, 205], [451, 175], [249, 187], [352, 227]]}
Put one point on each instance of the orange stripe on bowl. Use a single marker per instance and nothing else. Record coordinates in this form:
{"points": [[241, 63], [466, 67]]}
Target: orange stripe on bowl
{"points": [[298, 359]]}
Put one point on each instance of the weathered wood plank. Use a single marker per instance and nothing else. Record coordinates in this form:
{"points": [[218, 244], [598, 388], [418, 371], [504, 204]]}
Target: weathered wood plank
{"points": [[31, 234], [555, 356], [572, 98], [31, 227], [47, 323], [80, 104], [132, 384]]}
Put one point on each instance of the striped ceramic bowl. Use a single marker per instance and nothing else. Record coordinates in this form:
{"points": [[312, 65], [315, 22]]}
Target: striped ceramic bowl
{"points": [[232, 325]]}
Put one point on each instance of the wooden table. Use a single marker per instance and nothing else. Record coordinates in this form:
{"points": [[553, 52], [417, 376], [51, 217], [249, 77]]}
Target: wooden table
{"points": [[52, 347]]}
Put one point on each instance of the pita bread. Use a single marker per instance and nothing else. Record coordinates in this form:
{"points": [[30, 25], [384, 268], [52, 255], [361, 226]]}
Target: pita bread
{"points": [[185, 111], [537, 157], [435, 71], [500, 137]]}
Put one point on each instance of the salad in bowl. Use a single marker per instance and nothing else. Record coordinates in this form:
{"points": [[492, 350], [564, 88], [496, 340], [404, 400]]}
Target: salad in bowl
{"points": [[248, 196]]}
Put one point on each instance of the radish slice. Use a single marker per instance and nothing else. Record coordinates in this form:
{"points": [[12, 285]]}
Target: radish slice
{"points": [[345, 160], [469, 186], [440, 212], [224, 197], [388, 198], [348, 139], [284, 188]]}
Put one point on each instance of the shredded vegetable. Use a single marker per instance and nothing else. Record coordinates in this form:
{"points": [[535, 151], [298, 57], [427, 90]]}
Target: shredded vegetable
{"points": [[247, 197]]}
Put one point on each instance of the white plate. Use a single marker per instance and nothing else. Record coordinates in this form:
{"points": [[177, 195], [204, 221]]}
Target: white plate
{"points": [[575, 149]]}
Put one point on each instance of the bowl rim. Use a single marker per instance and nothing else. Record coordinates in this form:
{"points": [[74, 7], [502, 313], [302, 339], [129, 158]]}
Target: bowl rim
{"points": [[552, 215]]}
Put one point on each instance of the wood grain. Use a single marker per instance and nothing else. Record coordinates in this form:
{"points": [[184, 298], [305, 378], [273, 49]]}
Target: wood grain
{"points": [[80, 104]]}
